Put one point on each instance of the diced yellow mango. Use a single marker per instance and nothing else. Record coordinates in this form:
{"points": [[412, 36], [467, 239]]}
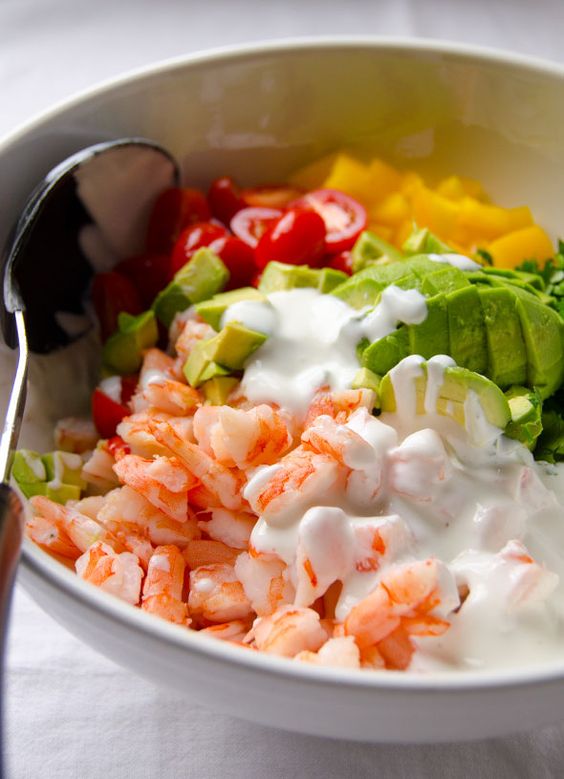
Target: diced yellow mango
{"points": [[313, 175], [351, 176], [410, 182], [513, 248], [435, 212], [451, 188], [519, 217], [484, 220], [392, 211], [385, 179], [473, 188], [403, 232], [384, 231]]}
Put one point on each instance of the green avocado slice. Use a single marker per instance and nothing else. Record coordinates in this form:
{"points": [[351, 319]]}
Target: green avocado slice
{"points": [[212, 310], [381, 356], [446, 279], [431, 336], [467, 329], [507, 354]]}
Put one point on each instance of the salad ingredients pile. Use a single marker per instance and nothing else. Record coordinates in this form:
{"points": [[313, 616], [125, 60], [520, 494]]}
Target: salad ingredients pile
{"points": [[328, 424]]}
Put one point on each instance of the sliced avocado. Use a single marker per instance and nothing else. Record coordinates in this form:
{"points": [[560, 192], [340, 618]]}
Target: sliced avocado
{"points": [[446, 279], [431, 336], [452, 395], [61, 493], [507, 355], [369, 247], [359, 292], [122, 352], [381, 356], [278, 276], [422, 266], [467, 329], [217, 390], [533, 279], [224, 353], [201, 277], [525, 406], [367, 379], [387, 274], [212, 310], [423, 241], [543, 332], [64, 468], [329, 278], [28, 467]]}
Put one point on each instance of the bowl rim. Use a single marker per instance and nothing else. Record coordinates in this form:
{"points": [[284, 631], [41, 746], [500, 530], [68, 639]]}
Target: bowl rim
{"points": [[42, 566]]}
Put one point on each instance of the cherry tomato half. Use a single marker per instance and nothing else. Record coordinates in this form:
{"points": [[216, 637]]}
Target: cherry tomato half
{"points": [[276, 196], [344, 217], [149, 273], [250, 224], [117, 447], [193, 238], [225, 199], [239, 259], [342, 261], [112, 293], [175, 209], [106, 413], [297, 237]]}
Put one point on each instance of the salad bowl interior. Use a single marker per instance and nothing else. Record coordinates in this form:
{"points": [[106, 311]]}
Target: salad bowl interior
{"points": [[258, 113]]}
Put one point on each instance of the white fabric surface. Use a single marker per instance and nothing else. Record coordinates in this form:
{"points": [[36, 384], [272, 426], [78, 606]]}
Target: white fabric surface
{"points": [[70, 712]]}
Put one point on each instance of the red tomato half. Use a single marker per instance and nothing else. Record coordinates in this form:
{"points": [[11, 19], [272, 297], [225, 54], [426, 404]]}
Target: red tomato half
{"points": [[149, 273], [342, 261], [112, 293], [250, 224], [277, 196], [297, 237], [239, 259], [193, 238], [106, 413], [344, 217], [175, 209], [225, 199]]}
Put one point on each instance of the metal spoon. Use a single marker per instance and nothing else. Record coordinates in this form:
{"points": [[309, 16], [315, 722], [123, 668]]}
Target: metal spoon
{"points": [[88, 212]]}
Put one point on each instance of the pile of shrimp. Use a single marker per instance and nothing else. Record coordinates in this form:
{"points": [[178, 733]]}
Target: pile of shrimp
{"points": [[168, 521]]}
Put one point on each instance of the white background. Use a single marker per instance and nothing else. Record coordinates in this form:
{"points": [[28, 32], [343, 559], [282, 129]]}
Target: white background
{"points": [[71, 713]]}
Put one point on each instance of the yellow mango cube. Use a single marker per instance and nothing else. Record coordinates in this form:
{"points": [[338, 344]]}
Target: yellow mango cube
{"points": [[411, 182], [526, 244], [519, 217], [402, 233], [351, 176], [385, 179], [451, 188], [482, 220], [435, 212], [384, 231], [392, 211]]}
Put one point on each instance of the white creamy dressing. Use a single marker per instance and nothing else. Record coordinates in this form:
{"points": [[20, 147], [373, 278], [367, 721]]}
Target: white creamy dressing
{"points": [[312, 341], [459, 261], [428, 487]]}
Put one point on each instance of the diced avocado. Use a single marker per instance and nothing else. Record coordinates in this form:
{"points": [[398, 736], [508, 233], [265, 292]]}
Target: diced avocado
{"points": [[467, 329], [359, 293], [453, 394], [507, 355], [122, 352], [422, 266], [387, 274], [446, 279], [543, 332], [423, 241], [28, 467], [369, 247], [224, 353], [431, 336], [65, 468], [533, 279], [409, 281], [525, 406], [201, 277], [32, 489], [278, 276], [63, 492], [217, 390], [212, 310], [329, 278], [381, 356], [367, 379], [550, 445]]}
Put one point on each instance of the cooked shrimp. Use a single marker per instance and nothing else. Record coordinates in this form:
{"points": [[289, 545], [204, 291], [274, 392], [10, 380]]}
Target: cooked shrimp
{"points": [[172, 397], [339, 405], [119, 574], [192, 332], [288, 631], [75, 435], [163, 481], [52, 537], [234, 631], [244, 439], [299, 477], [337, 652], [98, 470], [419, 465], [203, 552], [134, 430], [413, 597], [217, 595], [233, 528], [264, 583], [82, 530], [223, 484], [163, 585]]}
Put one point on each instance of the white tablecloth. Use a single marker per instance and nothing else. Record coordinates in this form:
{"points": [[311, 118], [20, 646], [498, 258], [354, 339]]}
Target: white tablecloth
{"points": [[70, 712]]}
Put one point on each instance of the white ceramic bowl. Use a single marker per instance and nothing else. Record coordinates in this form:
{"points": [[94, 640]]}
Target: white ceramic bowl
{"points": [[257, 112]]}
